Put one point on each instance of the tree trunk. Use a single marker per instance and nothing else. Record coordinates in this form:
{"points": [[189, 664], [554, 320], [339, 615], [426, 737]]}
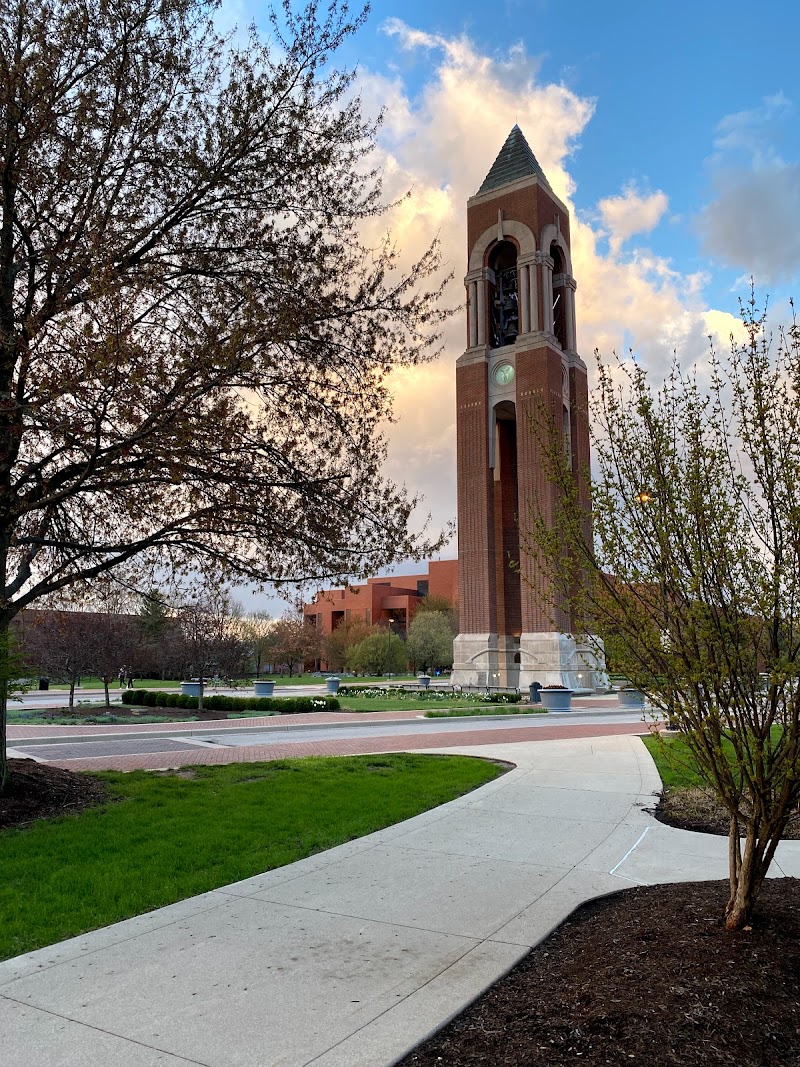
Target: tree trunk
{"points": [[747, 873], [72, 692], [108, 698], [200, 698], [4, 657]]}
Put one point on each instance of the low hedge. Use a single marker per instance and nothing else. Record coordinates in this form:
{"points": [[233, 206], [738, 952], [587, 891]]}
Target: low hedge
{"points": [[152, 698]]}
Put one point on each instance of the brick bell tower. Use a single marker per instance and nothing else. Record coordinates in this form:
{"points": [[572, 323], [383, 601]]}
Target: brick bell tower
{"points": [[521, 350]]}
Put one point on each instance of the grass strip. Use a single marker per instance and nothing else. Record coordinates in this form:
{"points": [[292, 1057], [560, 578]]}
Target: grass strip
{"points": [[491, 709], [170, 836]]}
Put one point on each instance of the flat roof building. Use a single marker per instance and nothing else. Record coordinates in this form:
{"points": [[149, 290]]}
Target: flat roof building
{"points": [[383, 600]]}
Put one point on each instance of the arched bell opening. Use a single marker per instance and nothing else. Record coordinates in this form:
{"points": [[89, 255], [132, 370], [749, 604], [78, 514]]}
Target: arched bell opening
{"points": [[503, 295], [559, 295]]}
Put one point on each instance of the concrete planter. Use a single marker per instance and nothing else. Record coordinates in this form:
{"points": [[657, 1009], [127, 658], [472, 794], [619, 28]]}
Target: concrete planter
{"points": [[424, 681], [631, 698], [264, 689], [192, 689], [556, 699], [332, 686]]}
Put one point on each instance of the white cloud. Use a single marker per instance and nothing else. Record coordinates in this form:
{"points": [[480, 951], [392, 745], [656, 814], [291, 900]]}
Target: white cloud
{"points": [[750, 222], [752, 132], [630, 213]]}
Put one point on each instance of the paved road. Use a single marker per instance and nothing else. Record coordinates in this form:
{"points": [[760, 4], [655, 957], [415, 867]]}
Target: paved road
{"points": [[132, 748]]}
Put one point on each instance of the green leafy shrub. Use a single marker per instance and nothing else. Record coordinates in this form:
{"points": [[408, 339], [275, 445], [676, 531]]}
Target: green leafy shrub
{"points": [[286, 705]]}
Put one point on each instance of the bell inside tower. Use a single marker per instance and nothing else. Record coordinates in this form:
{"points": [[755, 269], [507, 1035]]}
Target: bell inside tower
{"points": [[503, 298], [559, 296]]}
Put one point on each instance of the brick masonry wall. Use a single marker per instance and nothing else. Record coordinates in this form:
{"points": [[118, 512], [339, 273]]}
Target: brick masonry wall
{"points": [[491, 509], [476, 569]]}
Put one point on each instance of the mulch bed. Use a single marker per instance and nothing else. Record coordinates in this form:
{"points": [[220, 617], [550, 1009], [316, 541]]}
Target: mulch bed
{"points": [[39, 791], [699, 809], [646, 977]]}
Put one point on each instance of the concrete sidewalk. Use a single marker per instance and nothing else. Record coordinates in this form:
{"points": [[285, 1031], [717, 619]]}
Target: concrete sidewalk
{"points": [[353, 956]]}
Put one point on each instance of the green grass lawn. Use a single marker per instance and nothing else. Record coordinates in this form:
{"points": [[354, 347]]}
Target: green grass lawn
{"points": [[99, 717], [114, 686], [675, 762], [489, 709], [167, 837]]}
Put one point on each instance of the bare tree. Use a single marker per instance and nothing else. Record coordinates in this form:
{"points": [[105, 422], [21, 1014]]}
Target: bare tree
{"points": [[61, 644], [693, 575], [294, 642], [257, 632], [194, 340], [210, 627], [337, 644]]}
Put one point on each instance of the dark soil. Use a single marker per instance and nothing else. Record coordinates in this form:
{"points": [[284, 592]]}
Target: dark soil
{"points": [[699, 809], [647, 977], [39, 791]]}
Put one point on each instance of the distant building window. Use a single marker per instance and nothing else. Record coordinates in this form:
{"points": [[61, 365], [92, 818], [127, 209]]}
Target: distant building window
{"points": [[422, 587]]}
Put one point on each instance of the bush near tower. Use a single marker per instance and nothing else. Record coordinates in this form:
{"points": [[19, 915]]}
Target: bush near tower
{"points": [[692, 575]]}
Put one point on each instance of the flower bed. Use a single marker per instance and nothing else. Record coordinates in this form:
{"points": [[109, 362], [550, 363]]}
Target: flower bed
{"points": [[383, 692]]}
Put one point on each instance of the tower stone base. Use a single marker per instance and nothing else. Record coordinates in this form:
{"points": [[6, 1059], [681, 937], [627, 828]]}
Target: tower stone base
{"points": [[513, 663]]}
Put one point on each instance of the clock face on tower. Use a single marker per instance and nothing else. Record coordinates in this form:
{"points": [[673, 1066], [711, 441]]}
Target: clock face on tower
{"points": [[503, 374]]}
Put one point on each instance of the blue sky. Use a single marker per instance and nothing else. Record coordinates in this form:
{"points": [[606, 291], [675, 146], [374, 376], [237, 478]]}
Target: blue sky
{"points": [[670, 129]]}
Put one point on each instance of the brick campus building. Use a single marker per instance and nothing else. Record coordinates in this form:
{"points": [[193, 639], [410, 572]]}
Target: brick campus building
{"points": [[521, 351], [383, 600]]}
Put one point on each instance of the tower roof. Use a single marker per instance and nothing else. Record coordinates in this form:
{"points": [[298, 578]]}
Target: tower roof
{"points": [[515, 160]]}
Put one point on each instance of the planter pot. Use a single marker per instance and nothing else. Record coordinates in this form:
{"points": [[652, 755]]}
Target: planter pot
{"points": [[264, 689], [332, 686], [556, 699], [191, 689], [631, 698], [424, 681]]}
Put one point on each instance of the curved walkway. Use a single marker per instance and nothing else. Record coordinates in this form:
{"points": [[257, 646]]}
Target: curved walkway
{"points": [[351, 957]]}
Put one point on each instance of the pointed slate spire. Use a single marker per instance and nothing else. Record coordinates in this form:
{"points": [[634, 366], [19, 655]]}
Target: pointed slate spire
{"points": [[515, 160]]}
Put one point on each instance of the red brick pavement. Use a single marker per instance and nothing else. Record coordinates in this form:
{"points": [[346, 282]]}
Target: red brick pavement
{"points": [[352, 747]]}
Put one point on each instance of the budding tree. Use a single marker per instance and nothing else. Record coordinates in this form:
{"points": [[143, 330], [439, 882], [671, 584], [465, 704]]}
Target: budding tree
{"points": [[693, 574], [194, 339]]}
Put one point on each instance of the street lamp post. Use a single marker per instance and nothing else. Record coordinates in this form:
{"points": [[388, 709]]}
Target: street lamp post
{"points": [[389, 648]]}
